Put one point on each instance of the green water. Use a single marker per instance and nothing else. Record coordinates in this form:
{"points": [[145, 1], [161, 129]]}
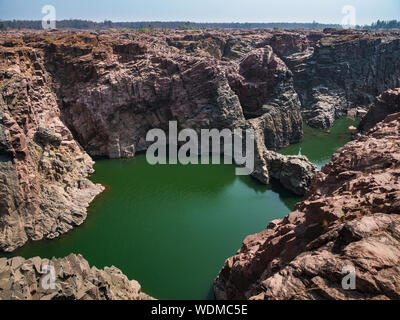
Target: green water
{"points": [[319, 145], [171, 227]]}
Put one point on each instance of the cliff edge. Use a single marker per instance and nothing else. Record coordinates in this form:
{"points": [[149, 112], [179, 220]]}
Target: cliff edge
{"points": [[349, 218]]}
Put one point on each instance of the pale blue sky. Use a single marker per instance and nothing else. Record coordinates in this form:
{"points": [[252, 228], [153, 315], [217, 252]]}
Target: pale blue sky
{"points": [[324, 11]]}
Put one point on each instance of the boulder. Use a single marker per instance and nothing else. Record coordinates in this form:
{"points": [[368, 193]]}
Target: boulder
{"points": [[295, 173]]}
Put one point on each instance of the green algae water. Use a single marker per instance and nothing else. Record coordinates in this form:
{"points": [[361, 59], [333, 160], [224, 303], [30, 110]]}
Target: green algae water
{"points": [[320, 145], [171, 227]]}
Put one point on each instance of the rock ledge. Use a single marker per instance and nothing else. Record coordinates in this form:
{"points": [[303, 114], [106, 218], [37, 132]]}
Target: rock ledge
{"points": [[74, 279]]}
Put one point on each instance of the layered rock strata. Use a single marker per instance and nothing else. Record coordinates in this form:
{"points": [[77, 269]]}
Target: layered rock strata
{"points": [[69, 278], [349, 220], [293, 172], [345, 69]]}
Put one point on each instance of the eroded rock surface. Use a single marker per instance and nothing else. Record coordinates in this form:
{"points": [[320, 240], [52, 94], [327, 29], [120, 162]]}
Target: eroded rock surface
{"points": [[44, 190], [345, 69], [295, 173], [69, 278], [350, 217], [63, 90], [113, 90], [387, 103]]}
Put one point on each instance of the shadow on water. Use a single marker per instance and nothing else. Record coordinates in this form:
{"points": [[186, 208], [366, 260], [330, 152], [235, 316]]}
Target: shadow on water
{"points": [[287, 197]]}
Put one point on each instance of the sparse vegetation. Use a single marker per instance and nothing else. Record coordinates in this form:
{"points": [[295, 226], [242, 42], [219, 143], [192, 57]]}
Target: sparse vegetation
{"points": [[392, 24], [152, 25], [186, 27], [108, 24]]}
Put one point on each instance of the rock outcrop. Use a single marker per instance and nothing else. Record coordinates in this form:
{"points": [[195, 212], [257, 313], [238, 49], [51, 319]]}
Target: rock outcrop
{"points": [[295, 173], [69, 278], [349, 220], [264, 86], [387, 103], [235, 44]]}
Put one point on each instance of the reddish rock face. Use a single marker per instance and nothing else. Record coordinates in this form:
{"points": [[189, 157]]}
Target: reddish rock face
{"points": [[387, 103], [349, 217], [114, 89], [260, 80], [287, 43], [43, 187]]}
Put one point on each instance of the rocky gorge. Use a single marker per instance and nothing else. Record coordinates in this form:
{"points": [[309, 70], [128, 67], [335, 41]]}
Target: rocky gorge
{"points": [[67, 96], [349, 217]]}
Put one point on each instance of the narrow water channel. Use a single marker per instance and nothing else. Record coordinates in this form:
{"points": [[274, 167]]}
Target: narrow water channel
{"points": [[320, 145]]}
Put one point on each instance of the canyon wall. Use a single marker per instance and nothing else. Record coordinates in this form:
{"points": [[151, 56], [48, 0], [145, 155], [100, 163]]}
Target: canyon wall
{"points": [[345, 69], [113, 90], [349, 218], [44, 190]]}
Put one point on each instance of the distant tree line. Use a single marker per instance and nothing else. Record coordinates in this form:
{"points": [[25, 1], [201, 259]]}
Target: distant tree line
{"points": [[107, 24], [392, 24]]}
